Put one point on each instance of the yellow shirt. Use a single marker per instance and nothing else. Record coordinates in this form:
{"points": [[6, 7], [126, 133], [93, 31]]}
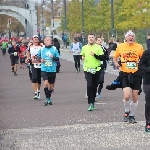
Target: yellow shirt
{"points": [[129, 56]]}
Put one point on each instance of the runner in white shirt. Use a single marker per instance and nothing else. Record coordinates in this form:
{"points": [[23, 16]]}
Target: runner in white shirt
{"points": [[35, 66], [76, 49]]}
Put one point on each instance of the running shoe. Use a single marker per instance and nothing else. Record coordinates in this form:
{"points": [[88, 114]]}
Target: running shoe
{"points": [[98, 96], [90, 107], [126, 117], [15, 74], [35, 96], [147, 128], [132, 119], [93, 107], [39, 95], [48, 102]]}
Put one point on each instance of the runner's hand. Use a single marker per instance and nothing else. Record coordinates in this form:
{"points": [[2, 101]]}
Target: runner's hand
{"points": [[92, 53], [51, 56], [117, 65], [42, 60]]}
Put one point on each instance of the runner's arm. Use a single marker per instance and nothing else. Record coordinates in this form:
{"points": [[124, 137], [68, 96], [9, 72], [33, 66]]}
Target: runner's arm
{"points": [[143, 62], [115, 58], [100, 57], [28, 53]]}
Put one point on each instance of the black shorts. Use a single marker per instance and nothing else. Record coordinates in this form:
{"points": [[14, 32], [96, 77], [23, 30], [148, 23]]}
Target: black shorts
{"points": [[14, 61], [50, 76], [76, 58], [22, 60], [136, 85]]}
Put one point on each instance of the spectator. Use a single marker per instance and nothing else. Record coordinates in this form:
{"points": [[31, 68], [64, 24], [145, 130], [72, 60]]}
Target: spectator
{"points": [[148, 42]]}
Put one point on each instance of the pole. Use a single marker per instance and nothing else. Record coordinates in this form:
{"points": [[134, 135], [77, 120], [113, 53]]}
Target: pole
{"points": [[42, 21], [65, 21], [9, 34], [83, 42], [112, 17], [83, 23], [52, 20]]}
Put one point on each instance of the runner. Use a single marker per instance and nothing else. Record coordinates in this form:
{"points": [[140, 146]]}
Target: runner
{"points": [[4, 47], [48, 56], [145, 66], [35, 66], [131, 78], [14, 51], [103, 68], [22, 55], [92, 54], [76, 49]]}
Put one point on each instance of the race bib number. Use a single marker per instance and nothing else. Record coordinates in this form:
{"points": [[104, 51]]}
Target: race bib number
{"points": [[76, 51], [37, 65], [48, 63], [131, 65], [15, 53], [91, 70]]}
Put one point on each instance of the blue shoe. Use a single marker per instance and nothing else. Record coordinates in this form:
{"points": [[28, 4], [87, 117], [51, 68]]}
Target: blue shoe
{"points": [[98, 96], [48, 102]]}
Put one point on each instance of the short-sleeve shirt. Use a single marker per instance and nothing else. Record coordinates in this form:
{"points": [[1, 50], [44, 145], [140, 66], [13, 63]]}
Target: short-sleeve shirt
{"points": [[129, 56], [89, 60]]}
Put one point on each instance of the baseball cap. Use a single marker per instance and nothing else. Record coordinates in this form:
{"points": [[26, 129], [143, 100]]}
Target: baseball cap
{"points": [[35, 36]]}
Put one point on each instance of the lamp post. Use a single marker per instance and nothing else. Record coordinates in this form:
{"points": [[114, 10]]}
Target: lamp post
{"points": [[43, 5], [82, 7], [65, 19], [112, 17], [52, 2]]}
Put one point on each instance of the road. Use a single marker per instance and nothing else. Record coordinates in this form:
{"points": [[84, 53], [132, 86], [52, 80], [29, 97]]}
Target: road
{"points": [[26, 124]]}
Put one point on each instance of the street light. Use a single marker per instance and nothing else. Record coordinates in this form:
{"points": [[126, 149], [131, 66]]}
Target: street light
{"points": [[83, 39], [112, 17], [65, 21], [52, 2]]}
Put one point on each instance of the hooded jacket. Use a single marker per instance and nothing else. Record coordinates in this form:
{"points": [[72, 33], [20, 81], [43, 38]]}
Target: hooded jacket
{"points": [[144, 66]]}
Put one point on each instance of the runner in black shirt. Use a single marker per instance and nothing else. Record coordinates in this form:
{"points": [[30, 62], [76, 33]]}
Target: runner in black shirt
{"points": [[13, 50]]}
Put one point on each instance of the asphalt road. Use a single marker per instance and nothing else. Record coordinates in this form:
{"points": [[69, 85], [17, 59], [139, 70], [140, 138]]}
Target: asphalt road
{"points": [[26, 124]]}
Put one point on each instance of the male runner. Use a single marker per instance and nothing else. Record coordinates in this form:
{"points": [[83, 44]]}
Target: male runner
{"points": [[14, 51], [35, 66], [4, 47], [76, 50], [130, 53], [48, 56], [92, 54], [103, 67]]}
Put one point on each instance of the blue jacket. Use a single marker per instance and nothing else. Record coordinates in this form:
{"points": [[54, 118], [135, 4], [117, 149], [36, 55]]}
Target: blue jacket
{"points": [[50, 63]]}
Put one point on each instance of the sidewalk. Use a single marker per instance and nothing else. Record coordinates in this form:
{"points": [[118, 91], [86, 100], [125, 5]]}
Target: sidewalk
{"points": [[25, 124]]}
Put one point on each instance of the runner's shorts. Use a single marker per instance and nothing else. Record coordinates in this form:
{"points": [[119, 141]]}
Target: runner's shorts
{"points": [[14, 61], [50, 76], [136, 85], [22, 60]]}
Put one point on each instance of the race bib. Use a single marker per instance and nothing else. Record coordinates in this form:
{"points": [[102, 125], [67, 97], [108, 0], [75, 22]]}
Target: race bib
{"points": [[37, 65], [131, 65], [15, 53], [48, 63], [76, 51], [101, 62], [91, 70]]}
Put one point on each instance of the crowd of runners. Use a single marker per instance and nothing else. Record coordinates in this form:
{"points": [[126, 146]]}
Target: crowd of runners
{"points": [[129, 58]]}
